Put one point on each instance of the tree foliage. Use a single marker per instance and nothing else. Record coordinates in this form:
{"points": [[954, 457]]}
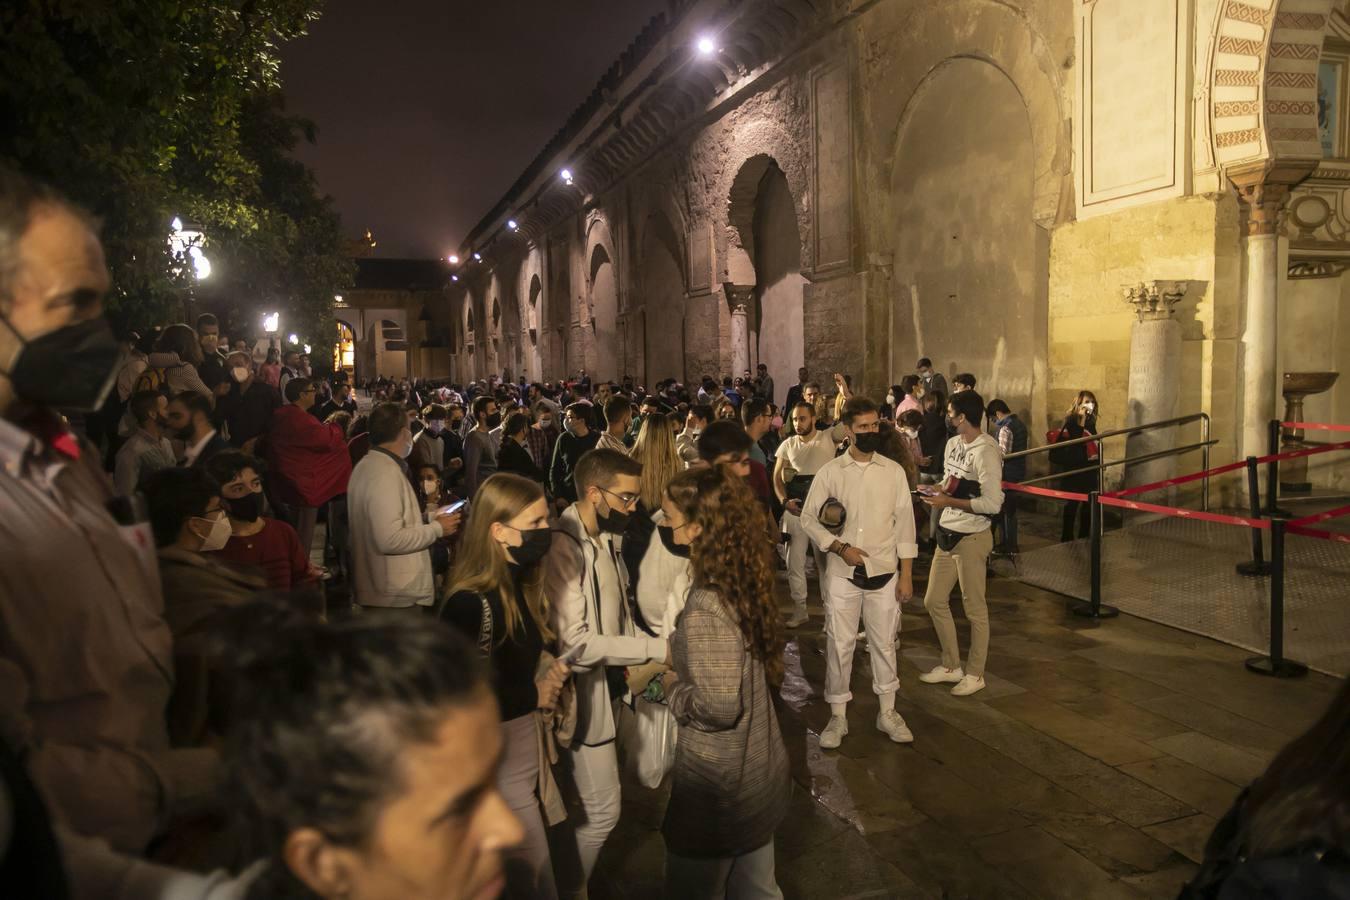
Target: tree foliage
{"points": [[143, 110]]}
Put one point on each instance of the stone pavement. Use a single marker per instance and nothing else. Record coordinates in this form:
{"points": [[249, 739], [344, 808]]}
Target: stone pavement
{"points": [[1093, 766]]}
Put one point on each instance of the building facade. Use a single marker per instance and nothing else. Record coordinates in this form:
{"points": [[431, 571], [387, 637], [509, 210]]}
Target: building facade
{"points": [[395, 319], [1142, 198]]}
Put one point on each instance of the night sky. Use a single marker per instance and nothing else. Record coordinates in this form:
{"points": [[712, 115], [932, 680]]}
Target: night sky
{"points": [[428, 110]]}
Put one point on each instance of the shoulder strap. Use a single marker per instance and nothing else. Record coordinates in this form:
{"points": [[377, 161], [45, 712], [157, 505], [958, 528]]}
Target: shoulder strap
{"points": [[485, 626]]}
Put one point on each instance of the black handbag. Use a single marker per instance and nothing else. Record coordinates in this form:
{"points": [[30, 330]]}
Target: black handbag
{"points": [[948, 539]]}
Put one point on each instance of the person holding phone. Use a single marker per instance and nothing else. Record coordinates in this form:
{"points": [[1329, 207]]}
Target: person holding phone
{"points": [[497, 599], [389, 538]]}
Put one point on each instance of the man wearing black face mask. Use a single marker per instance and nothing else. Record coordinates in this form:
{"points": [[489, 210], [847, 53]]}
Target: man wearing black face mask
{"points": [[874, 540], [86, 663], [480, 456], [257, 541], [586, 580]]}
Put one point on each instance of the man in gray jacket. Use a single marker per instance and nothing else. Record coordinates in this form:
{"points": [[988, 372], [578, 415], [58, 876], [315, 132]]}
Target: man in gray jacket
{"points": [[389, 536]]}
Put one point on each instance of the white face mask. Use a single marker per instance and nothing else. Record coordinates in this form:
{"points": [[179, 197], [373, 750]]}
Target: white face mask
{"points": [[890, 399], [429, 487], [910, 432], [436, 426], [218, 536], [1089, 408], [240, 374], [407, 449]]}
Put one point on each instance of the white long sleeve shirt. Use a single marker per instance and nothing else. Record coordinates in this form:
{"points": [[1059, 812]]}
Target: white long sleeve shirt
{"points": [[980, 460], [879, 512]]}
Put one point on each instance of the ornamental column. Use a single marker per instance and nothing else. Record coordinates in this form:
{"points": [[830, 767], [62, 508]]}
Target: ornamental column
{"points": [[1155, 375], [1263, 189], [738, 298]]}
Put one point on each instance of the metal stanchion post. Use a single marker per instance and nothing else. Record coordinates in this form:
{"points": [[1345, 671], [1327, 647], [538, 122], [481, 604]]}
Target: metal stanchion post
{"points": [[1273, 475], [1275, 664], [1093, 608], [1257, 566]]}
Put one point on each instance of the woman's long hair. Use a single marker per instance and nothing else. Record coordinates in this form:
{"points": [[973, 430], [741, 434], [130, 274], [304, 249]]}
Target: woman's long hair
{"points": [[1075, 411], [481, 565], [731, 558], [181, 339], [655, 449]]}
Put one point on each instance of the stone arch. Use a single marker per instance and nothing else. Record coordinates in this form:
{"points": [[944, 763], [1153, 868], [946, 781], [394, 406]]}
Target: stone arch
{"points": [[970, 259], [603, 290], [740, 209], [1262, 79], [663, 290], [994, 33]]}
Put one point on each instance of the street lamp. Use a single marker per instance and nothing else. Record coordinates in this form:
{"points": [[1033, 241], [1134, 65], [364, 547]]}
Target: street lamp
{"points": [[566, 176], [185, 242], [706, 46], [270, 322], [292, 339], [453, 259]]}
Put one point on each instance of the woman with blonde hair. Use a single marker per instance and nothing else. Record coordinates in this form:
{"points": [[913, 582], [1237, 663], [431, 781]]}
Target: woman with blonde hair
{"points": [[496, 597], [729, 788], [655, 449]]}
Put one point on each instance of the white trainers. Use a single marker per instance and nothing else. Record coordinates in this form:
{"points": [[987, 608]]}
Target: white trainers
{"points": [[798, 618], [890, 722], [968, 685], [833, 735], [940, 674]]}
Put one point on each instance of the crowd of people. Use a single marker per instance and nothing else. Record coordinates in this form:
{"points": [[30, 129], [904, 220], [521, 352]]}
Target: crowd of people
{"points": [[436, 698]]}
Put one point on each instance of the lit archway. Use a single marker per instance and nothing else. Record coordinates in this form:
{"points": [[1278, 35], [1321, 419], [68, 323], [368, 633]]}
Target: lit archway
{"points": [[604, 313]]}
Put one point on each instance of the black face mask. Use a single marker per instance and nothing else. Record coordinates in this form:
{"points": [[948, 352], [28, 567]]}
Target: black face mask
{"points": [[534, 545], [668, 539], [867, 442], [247, 508], [494, 420], [71, 368], [616, 522], [185, 433]]}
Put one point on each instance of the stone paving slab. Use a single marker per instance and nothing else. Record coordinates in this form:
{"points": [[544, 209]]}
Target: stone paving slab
{"points": [[1093, 767]]}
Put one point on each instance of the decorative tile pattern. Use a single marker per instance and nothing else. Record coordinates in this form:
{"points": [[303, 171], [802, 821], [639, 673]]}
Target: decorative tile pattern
{"points": [[1288, 107], [1240, 78], [1290, 79], [1293, 134], [1229, 44], [1243, 12], [1233, 138], [1227, 108], [1300, 21], [1295, 51]]}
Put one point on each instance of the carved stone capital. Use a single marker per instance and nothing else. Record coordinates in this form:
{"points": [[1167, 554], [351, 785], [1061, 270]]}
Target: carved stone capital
{"points": [[1154, 300], [1263, 189], [739, 296]]}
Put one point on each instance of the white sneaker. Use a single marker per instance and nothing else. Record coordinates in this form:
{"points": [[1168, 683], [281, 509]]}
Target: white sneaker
{"points": [[968, 685], [940, 674], [890, 722], [798, 618], [833, 735]]}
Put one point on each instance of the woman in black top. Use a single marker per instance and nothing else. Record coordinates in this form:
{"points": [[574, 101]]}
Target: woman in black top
{"points": [[496, 598], [933, 433], [1081, 421]]}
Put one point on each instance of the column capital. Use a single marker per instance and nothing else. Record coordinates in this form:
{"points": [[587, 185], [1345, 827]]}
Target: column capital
{"points": [[1263, 190], [739, 296], [1154, 300]]}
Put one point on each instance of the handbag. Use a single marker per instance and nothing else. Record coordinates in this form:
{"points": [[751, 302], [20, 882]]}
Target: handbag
{"points": [[649, 735]]}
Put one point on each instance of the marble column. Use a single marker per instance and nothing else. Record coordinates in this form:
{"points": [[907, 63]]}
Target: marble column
{"points": [[739, 297], [1155, 375], [1263, 189]]}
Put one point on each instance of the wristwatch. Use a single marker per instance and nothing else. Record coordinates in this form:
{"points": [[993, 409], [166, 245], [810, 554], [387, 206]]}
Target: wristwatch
{"points": [[838, 547]]}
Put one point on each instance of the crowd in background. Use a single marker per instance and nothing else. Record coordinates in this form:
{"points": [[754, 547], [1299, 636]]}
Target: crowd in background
{"points": [[520, 588]]}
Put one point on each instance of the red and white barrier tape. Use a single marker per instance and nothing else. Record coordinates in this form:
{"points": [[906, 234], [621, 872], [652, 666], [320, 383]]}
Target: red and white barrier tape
{"points": [[1337, 536], [1321, 517], [1179, 513], [1180, 479]]}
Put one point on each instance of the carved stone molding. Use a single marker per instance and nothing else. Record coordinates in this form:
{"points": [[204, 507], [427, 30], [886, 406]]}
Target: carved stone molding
{"points": [[1154, 300], [1264, 189], [739, 295], [1317, 268]]}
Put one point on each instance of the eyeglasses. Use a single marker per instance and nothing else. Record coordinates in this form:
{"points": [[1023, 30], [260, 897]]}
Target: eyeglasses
{"points": [[628, 500]]}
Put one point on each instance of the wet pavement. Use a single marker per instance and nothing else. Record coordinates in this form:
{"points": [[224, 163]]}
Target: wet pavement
{"points": [[1094, 765]]}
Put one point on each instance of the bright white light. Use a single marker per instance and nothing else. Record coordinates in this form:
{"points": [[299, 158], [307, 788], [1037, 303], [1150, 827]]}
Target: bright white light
{"points": [[307, 348], [270, 321], [512, 224], [478, 257], [337, 298], [566, 175], [176, 224], [452, 259], [454, 278], [707, 46], [201, 266], [293, 339]]}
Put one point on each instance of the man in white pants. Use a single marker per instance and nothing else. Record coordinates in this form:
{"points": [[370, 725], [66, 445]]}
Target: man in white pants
{"points": [[804, 452], [875, 538], [586, 582]]}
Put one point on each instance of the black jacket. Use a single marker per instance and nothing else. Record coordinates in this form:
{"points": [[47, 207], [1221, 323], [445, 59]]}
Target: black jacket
{"points": [[514, 458]]}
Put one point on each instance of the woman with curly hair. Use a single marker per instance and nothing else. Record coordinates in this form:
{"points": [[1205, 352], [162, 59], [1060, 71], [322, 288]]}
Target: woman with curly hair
{"points": [[729, 786]]}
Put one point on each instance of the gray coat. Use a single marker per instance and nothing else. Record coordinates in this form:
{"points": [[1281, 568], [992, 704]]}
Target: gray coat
{"points": [[730, 785]]}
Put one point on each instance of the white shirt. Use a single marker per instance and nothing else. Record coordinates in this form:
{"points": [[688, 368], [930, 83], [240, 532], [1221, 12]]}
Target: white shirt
{"points": [[806, 455], [190, 454], [982, 461], [880, 513]]}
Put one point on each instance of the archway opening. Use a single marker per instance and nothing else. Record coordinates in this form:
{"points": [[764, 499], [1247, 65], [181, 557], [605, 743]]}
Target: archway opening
{"points": [[663, 302], [970, 263], [604, 314], [777, 323]]}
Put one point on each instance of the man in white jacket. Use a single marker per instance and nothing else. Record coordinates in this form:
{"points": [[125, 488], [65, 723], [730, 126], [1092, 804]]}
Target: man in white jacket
{"points": [[971, 493], [586, 581], [389, 536]]}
